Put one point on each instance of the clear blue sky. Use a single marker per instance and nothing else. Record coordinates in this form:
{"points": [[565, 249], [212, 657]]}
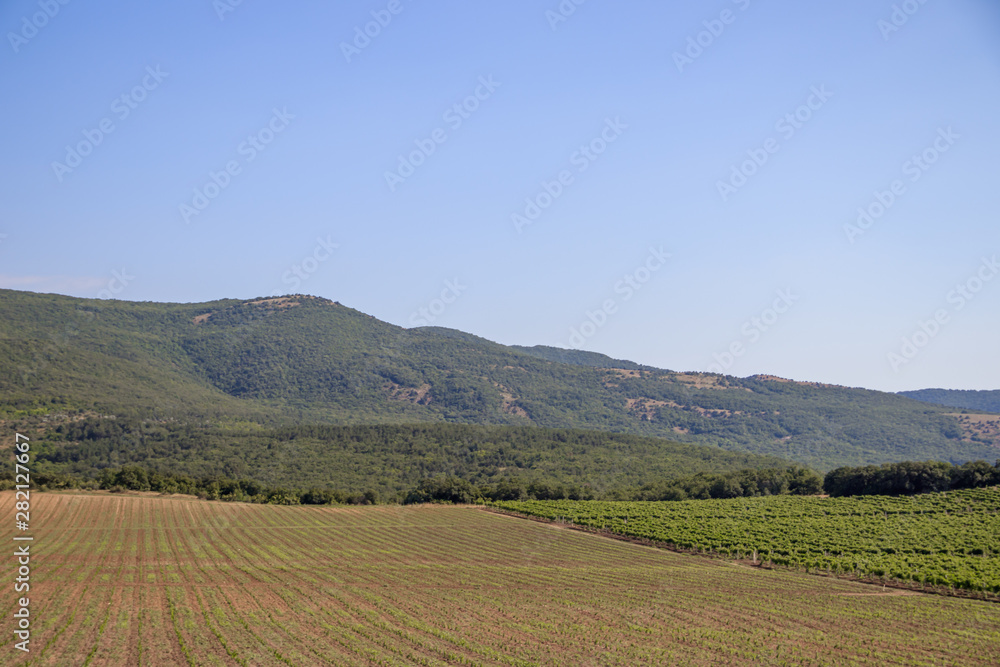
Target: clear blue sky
{"points": [[832, 100]]}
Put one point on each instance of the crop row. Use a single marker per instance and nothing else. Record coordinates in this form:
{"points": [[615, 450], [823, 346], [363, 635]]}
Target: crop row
{"points": [[945, 539], [168, 581]]}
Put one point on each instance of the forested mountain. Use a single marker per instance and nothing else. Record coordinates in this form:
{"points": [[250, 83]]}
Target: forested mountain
{"points": [[300, 360], [985, 401]]}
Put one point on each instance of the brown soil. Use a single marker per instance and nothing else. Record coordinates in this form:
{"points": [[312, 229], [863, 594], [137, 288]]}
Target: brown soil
{"points": [[982, 427], [197, 582], [416, 395]]}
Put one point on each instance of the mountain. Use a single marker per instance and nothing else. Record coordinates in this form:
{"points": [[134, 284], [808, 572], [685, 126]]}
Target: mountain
{"points": [[983, 401], [299, 359]]}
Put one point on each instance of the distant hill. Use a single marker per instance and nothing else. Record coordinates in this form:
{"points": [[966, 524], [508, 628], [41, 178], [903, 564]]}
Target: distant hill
{"points": [[297, 360], [986, 401]]}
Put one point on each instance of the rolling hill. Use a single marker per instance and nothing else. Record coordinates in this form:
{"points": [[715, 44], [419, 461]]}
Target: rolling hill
{"points": [[983, 401], [299, 359]]}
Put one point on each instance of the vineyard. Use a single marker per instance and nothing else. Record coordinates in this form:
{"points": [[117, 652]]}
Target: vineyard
{"points": [[146, 580], [946, 540]]}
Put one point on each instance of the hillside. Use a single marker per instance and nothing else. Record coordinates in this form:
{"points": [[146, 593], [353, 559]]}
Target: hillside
{"points": [[985, 401], [580, 358], [303, 360]]}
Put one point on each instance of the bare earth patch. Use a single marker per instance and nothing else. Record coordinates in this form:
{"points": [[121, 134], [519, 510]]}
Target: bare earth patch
{"points": [[984, 428], [416, 395]]}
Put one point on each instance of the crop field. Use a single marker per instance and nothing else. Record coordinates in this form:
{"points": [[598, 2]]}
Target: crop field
{"points": [[938, 539], [145, 580]]}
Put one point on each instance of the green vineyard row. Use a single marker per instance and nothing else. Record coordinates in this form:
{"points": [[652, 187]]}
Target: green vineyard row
{"points": [[947, 539]]}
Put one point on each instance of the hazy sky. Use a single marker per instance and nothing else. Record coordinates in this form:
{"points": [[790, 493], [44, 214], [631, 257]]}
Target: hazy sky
{"points": [[673, 183]]}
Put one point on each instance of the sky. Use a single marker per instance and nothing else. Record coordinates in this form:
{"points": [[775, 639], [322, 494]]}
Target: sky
{"points": [[807, 190]]}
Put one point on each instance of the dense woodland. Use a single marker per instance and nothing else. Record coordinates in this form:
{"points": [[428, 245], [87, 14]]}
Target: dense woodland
{"points": [[444, 488], [910, 478], [390, 459], [906, 478]]}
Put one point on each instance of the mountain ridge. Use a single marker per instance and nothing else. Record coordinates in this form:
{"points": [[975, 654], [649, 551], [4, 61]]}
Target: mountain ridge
{"points": [[299, 359], [966, 399]]}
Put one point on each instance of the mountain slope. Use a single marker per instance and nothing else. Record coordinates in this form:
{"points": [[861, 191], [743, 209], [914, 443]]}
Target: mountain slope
{"points": [[301, 359], [986, 401], [580, 358]]}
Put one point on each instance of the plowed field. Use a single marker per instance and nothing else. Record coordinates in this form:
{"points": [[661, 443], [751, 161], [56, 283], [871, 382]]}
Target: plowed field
{"points": [[126, 580]]}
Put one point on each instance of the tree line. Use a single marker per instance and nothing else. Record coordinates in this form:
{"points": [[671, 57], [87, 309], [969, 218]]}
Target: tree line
{"points": [[440, 488], [910, 478], [893, 479]]}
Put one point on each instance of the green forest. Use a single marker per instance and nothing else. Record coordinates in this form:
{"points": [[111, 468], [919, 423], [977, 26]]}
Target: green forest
{"points": [[388, 459]]}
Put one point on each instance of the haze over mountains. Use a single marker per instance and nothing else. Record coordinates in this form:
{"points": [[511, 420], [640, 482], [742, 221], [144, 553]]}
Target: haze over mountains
{"points": [[302, 360]]}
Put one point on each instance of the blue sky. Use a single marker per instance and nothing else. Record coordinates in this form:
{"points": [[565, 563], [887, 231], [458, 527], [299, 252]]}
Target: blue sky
{"points": [[677, 185]]}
